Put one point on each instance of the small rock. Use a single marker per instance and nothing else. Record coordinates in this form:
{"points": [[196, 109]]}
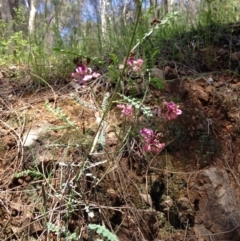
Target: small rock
{"points": [[235, 56], [157, 73], [201, 93], [222, 51], [218, 205], [209, 89], [169, 73], [112, 139], [20, 181], [34, 132]]}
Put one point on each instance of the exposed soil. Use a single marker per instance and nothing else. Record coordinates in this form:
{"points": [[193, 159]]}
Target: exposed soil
{"points": [[190, 191]]}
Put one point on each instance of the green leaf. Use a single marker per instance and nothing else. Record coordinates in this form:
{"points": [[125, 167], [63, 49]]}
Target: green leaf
{"points": [[103, 231]]}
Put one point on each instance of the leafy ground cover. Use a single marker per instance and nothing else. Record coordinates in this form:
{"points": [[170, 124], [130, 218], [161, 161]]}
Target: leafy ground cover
{"points": [[121, 152]]}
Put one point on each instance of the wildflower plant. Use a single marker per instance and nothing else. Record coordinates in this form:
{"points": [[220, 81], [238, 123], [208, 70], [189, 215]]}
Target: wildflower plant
{"points": [[172, 110], [132, 63], [103, 231], [125, 109], [83, 74], [151, 141], [168, 110], [78, 172], [131, 67], [138, 104], [60, 114]]}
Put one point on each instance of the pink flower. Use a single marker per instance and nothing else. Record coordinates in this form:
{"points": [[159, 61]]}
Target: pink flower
{"points": [[83, 74], [135, 65], [147, 134], [95, 75], [152, 144], [136, 68], [154, 148], [171, 110], [126, 109], [138, 62], [87, 77]]}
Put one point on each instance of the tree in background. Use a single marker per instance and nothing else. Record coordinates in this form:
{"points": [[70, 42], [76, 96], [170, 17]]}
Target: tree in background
{"points": [[99, 23], [32, 16]]}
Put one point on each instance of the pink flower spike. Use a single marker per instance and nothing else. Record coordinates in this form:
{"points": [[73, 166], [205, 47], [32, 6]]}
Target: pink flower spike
{"points": [[84, 74], [138, 62], [126, 109], [74, 75], [154, 148], [130, 61], [95, 75], [152, 143], [147, 134], [157, 147], [80, 72], [136, 68], [147, 147], [89, 71], [135, 65], [178, 112], [81, 69], [87, 77], [171, 110]]}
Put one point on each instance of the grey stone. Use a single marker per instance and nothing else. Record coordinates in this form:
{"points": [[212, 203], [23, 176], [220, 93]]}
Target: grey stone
{"points": [[218, 209]]}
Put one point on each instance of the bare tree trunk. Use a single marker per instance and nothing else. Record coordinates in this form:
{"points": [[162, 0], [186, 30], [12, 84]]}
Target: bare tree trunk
{"points": [[172, 5], [6, 16], [165, 6], [14, 4], [103, 14], [193, 8], [182, 6], [5, 11], [153, 4], [31, 21], [125, 12]]}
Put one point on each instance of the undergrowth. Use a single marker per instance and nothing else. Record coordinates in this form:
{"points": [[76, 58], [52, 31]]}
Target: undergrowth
{"points": [[57, 62], [70, 203]]}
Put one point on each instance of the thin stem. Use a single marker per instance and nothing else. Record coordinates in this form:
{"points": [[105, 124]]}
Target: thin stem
{"points": [[114, 93]]}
